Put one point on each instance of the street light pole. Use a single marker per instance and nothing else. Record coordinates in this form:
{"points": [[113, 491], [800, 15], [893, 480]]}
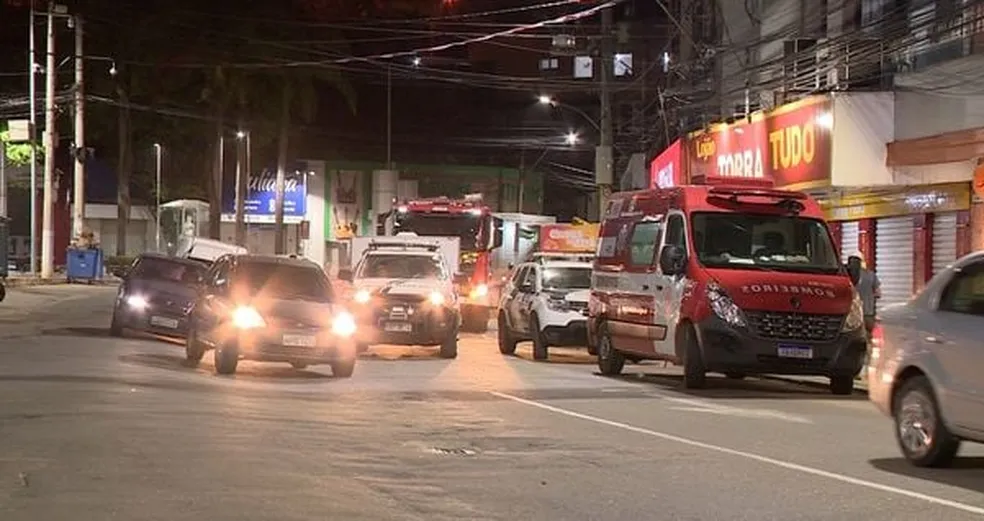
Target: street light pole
{"points": [[78, 192], [157, 191], [242, 176], [32, 80], [48, 198]]}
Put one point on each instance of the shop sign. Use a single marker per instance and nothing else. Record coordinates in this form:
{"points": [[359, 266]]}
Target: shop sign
{"points": [[790, 146], [569, 238], [945, 197], [261, 195], [665, 171]]}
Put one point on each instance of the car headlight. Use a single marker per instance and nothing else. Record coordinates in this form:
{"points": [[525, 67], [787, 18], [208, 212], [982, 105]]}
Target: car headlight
{"points": [[479, 291], [724, 307], [362, 296], [246, 317], [343, 324], [137, 302], [558, 304], [436, 298], [855, 318]]}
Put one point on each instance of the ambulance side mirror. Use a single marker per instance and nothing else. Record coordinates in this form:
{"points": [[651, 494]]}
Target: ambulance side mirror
{"points": [[672, 260], [345, 274], [496, 232]]}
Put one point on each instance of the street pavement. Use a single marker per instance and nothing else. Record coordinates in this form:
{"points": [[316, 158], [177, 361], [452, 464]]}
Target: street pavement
{"points": [[94, 428]]}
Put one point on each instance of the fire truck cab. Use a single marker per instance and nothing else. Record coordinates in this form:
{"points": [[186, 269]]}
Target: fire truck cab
{"points": [[471, 220], [731, 279]]}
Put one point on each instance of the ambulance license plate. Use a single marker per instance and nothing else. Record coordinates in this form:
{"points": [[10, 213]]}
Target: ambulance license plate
{"points": [[398, 327], [793, 351], [169, 323]]}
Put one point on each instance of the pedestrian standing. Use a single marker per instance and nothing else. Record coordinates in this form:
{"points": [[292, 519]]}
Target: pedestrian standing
{"points": [[869, 290]]}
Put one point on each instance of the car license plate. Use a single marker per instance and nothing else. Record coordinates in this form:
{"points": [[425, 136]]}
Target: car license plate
{"points": [[169, 323], [398, 327], [801, 352], [299, 340]]}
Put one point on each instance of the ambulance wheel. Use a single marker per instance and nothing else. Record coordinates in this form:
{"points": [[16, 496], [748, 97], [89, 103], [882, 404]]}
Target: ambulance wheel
{"points": [[507, 344], [539, 343], [694, 373], [610, 361]]}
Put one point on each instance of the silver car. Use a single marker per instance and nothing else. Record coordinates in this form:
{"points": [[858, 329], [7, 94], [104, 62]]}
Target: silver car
{"points": [[926, 368]]}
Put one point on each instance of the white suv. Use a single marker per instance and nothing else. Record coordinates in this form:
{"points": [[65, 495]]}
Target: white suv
{"points": [[926, 368], [546, 302]]}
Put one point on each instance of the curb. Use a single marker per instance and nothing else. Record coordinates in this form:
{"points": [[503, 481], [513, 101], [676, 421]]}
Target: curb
{"points": [[21, 282], [810, 383]]}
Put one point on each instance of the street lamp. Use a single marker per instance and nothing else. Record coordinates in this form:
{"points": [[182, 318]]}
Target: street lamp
{"points": [[157, 189], [571, 138]]}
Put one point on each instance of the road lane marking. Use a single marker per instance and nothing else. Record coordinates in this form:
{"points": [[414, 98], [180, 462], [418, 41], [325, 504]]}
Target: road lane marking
{"points": [[686, 404], [750, 455]]}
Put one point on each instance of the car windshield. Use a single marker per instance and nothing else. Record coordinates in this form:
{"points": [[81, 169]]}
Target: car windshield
{"points": [[284, 281], [566, 278], [759, 241], [403, 267], [154, 268], [464, 226]]}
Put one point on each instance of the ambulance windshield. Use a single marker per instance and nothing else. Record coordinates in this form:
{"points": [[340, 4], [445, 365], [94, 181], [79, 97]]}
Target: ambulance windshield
{"points": [[780, 242]]}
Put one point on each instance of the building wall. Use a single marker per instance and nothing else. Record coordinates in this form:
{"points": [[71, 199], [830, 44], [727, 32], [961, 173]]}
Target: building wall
{"points": [[862, 124]]}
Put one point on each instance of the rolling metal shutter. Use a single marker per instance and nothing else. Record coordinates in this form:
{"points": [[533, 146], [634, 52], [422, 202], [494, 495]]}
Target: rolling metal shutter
{"points": [[849, 238], [944, 240], [893, 258]]}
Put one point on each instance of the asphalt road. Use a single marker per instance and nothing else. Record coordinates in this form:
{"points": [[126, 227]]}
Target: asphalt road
{"points": [[93, 428]]}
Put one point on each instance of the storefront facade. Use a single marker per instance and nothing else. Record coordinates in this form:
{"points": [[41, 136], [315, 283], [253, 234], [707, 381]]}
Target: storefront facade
{"points": [[834, 147]]}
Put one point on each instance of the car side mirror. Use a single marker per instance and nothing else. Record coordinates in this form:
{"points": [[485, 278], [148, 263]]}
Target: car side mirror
{"points": [[672, 260], [120, 272], [345, 274], [526, 287]]}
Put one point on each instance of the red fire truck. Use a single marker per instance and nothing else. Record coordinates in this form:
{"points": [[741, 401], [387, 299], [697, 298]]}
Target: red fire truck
{"points": [[471, 220]]}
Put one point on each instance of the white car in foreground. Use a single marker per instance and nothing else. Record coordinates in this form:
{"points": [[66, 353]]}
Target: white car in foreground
{"points": [[926, 368]]}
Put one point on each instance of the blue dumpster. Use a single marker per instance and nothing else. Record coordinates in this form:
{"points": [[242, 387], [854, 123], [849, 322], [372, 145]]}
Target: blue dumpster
{"points": [[84, 264]]}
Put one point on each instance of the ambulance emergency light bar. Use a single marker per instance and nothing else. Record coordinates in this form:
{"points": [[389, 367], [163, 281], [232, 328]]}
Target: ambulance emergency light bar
{"points": [[784, 200]]}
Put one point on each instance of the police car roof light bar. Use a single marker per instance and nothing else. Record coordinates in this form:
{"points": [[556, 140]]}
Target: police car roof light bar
{"points": [[376, 245]]}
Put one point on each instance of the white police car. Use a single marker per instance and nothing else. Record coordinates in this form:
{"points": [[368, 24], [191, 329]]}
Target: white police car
{"points": [[546, 302]]}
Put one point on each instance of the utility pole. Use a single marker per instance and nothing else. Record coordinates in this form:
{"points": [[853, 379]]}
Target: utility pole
{"points": [[279, 244], [78, 192], [522, 181], [389, 117], [603, 153], [240, 203], [158, 152], [3, 179], [32, 80], [47, 202]]}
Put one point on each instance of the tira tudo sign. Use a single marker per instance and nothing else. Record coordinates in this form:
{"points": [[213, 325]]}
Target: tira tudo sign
{"points": [[790, 146], [261, 196], [666, 169]]}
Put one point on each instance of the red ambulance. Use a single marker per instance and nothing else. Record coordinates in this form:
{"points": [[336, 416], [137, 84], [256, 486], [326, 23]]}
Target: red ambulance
{"points": [[733, 279]]}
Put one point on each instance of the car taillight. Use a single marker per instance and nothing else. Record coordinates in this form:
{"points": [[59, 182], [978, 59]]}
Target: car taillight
{"points": [[877, 341]]}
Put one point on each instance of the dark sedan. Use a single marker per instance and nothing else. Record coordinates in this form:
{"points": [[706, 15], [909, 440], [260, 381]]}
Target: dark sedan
{"points": [[156, 295]]}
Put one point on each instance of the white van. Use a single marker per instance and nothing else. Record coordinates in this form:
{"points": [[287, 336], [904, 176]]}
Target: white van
{"points": [[206, 250]]}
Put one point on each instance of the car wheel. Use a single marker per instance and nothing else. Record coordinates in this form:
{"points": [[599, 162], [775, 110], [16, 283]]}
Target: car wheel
{"points": [[226, 359], [735, 375], [298, 365], [507, 344], [194, 349], [694, 372], [841, 384], [610, 360], [343, 368], [3, 291], [540, 347], [115, 325], [919, 429], [449, 348]]}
